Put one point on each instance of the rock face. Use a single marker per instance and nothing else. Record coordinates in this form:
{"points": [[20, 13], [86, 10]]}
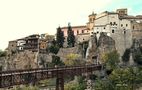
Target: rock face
{"points": [[104, 44], [43, 59], [63, 52], [2, 63], [22, 60]]}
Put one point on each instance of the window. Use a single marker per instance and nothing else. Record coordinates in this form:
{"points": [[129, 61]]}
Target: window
{"points": [[112, 31], [121, 25], [104, 28], [133, 27], [126, 25], [110, 23], [82, 31], [97, 32], [77, 32], [124, 32], [114, 23]]}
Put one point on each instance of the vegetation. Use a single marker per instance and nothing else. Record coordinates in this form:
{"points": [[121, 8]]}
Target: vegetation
{"points": [[121, 79], [26, 88], [111, 60], [71, 37], [60, 37], [126, 55], [73, 60], [76, 85], [54, 49], [138, 59], [56, 61], [2, 53]]}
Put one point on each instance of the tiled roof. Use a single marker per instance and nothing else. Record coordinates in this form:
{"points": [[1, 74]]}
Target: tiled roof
{"points": [[131, 17], [83, 26]]}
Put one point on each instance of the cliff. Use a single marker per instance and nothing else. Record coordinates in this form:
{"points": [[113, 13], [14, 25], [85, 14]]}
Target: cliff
{"points": [[97, 48]]}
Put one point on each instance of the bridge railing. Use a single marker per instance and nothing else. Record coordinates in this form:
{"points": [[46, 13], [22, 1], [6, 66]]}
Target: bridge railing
{"points": [[25, 76]]}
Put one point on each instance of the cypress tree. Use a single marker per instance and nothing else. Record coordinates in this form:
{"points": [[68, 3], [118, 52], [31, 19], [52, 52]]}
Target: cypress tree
{"points": [[60, 37], [71, 37]]}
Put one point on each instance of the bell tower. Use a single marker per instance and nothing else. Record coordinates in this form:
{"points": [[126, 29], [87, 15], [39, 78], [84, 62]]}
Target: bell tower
{"points": [[91, 20]]}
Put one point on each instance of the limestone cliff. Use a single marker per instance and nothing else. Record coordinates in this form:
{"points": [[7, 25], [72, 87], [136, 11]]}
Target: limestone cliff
{"points": [[98, 47], [22, 60], [63, 52]]}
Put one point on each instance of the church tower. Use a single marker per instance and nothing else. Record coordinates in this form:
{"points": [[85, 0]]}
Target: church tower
{"points": [[91, 23]]}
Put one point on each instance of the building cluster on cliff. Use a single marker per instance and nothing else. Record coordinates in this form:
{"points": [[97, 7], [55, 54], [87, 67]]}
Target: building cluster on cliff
{"points": [[123, 28], [34, 43]]}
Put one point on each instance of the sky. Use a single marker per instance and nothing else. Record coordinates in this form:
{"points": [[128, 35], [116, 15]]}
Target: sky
{"points": [[20, 18]]}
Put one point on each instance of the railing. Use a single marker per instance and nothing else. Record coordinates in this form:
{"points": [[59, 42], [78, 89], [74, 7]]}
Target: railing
{"points": [[17, 77]]}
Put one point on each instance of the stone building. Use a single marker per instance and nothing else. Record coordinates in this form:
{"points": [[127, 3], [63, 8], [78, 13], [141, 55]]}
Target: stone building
{"points": [[12, 47], [20, 44], [122, 27], [43, 45], [32, 42], [76, 29]]}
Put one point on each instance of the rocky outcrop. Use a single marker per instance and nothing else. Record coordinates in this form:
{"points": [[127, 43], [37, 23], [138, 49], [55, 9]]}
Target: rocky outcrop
{"points": [[22, 60], [63, 52], [104, 44], [43, 59]]}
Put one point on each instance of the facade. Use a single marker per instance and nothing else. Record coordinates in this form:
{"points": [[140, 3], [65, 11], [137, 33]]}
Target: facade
{"points": [[12, 47], [120, 26], [42, 45], [20, 44], [32, 42], [76, 29]]}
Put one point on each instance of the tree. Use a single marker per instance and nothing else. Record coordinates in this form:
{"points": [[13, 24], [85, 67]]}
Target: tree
{"points": [[53, 49], [60, 37], [111, 59], [2, 53], [71, 37], [56, 61], [138, 58], [126, 55]]}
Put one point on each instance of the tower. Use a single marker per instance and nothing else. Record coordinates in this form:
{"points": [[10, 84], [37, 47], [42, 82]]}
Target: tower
{"points": [[91, 23], [91, 20]]}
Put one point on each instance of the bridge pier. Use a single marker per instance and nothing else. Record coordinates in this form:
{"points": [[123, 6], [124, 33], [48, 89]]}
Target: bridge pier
{"points": [[60, 81]]}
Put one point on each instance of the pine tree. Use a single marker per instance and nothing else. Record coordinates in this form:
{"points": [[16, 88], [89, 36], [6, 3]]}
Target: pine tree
{"points": [[71, 37], [60, 37]]}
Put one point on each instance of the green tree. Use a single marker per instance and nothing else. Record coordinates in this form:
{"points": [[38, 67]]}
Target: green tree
{"points": [[138, 58], [56, 61], [54, 49], [126, 55], [2, 53], [60, 37], [71, 37], [111, 60]]}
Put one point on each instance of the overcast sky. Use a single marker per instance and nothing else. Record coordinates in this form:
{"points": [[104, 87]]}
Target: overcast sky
{"points": [[20, 18]]}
